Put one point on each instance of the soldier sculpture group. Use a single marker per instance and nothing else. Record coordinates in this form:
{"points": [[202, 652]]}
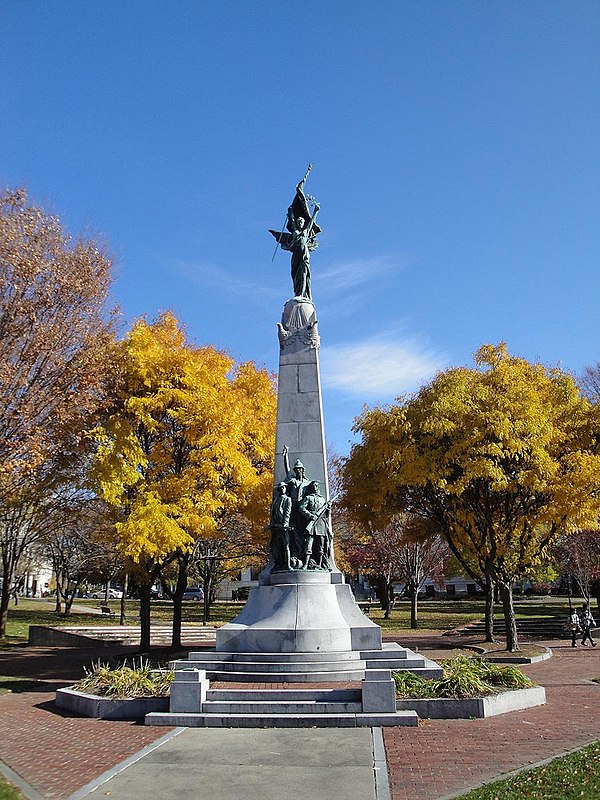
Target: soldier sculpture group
{"points": [[300, 522]]}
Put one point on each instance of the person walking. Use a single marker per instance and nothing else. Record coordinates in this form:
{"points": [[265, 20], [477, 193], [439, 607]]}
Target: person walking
{"points": [[587, 622], [574, 626]]}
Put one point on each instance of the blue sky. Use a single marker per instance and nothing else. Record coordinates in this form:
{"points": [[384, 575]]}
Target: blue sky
{"points": [[456, 159]]}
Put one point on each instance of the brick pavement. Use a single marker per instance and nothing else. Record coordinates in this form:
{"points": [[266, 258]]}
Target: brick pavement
{"points": [[52, 751], [58, 754], [441, 757]]}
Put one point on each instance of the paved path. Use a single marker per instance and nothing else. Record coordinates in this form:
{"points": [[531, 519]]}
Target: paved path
{"points": [[57, 755], [237, 764]]}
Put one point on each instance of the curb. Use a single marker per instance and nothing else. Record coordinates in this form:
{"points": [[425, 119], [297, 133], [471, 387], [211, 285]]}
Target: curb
{"points": [[380, 770], [19, 783], [512, 774], [511, 659]]}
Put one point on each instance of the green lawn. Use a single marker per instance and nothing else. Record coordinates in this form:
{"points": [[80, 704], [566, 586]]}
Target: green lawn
{"points": [[41, 612], [444, 615], [574, 776], [9, 683], [434, 615], [8, 792]]}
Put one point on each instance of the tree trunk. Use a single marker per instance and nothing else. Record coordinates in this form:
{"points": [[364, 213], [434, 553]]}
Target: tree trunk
{"points": [[182, 578], [489, 610], [123, 607], [207, 586], [145, 618], [386, 595], [58, 604], [414, 599], [4, 601], [69, 602], [510, 623]]}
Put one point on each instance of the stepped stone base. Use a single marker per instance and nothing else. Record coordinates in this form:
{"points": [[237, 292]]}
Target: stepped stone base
{"points": [[296, 627], [193, 703], [300, 612]]}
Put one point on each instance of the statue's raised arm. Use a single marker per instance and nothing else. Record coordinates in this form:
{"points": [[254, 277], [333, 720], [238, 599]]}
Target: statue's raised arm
{"points": [[301, 239]]}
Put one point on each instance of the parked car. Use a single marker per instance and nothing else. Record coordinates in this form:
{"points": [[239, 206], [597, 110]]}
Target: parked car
{"points": [[113, 594], [194, 593]]}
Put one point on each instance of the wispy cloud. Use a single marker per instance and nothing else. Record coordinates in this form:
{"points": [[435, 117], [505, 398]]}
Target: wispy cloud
{"points": [[379, 367], [347, 275], [202, 273]]}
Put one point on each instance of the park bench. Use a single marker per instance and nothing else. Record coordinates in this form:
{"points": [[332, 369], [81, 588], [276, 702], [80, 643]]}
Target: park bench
{"points": [[106, 610]]}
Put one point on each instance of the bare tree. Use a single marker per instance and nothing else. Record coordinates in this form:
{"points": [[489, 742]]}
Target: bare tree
{"points": [[80, 545], [590, 382], [578, 556]]}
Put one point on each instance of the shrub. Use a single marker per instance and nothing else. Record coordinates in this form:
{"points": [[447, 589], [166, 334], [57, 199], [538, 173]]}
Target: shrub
{"points": [[126, 682], [463, 678]]}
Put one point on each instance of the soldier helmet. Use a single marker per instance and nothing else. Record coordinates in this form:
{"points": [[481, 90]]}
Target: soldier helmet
{"points": [[298, 464]]}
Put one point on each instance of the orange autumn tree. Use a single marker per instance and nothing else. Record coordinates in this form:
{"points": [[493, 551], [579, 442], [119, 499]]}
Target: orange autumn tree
{"points": [[54, 328], [503, 459], [188, 445]]}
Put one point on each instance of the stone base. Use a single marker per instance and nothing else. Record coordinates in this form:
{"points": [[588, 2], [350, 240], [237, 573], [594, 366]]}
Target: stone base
{"points": [[91, 705], [300, 612], [477, 708]]}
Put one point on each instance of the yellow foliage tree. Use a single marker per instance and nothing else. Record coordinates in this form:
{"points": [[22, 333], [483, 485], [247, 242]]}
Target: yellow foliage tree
{"points": [[503, 458], [188, 444]]}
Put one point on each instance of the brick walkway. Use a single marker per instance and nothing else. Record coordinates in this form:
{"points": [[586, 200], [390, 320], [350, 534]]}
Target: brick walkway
{"points": [[57, 754], [441, 757], [52, 751]]}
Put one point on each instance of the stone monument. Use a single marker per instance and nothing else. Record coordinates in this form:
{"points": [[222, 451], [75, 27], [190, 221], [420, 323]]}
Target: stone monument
{"points": [[301, 623], [302, 603]]}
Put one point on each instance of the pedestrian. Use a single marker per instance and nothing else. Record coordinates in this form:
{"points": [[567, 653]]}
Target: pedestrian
{"points": [[587, 622], [574, 626]]}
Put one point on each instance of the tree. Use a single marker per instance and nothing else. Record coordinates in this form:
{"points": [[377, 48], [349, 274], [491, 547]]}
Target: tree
{"points": [[53, 335], [80, 544], [590, 382], [406, 550], [578, 556], [189, 442], [502, 459]]}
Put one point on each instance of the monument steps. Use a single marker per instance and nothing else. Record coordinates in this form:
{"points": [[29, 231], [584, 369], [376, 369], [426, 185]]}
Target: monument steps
{"points": [[316, 720], [306, 667], [287, 677], [263, 707], [281, 666], [286, 695], [216, 655]]}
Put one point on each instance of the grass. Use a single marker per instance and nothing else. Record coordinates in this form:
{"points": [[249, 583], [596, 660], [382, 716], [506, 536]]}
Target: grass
{"points": [[8, 791], [574, 776], [9, 683], [463, 678], [41, 612], [445, 615], [434, 615]]}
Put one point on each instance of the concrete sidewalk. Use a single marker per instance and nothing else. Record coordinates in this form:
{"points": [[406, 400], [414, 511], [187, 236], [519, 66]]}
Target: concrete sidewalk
{"points": [[238, 764]]}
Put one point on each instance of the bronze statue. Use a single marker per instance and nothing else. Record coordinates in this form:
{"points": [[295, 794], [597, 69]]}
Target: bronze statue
{"points": [[317, 533], [281, 510], [301, 239]]}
